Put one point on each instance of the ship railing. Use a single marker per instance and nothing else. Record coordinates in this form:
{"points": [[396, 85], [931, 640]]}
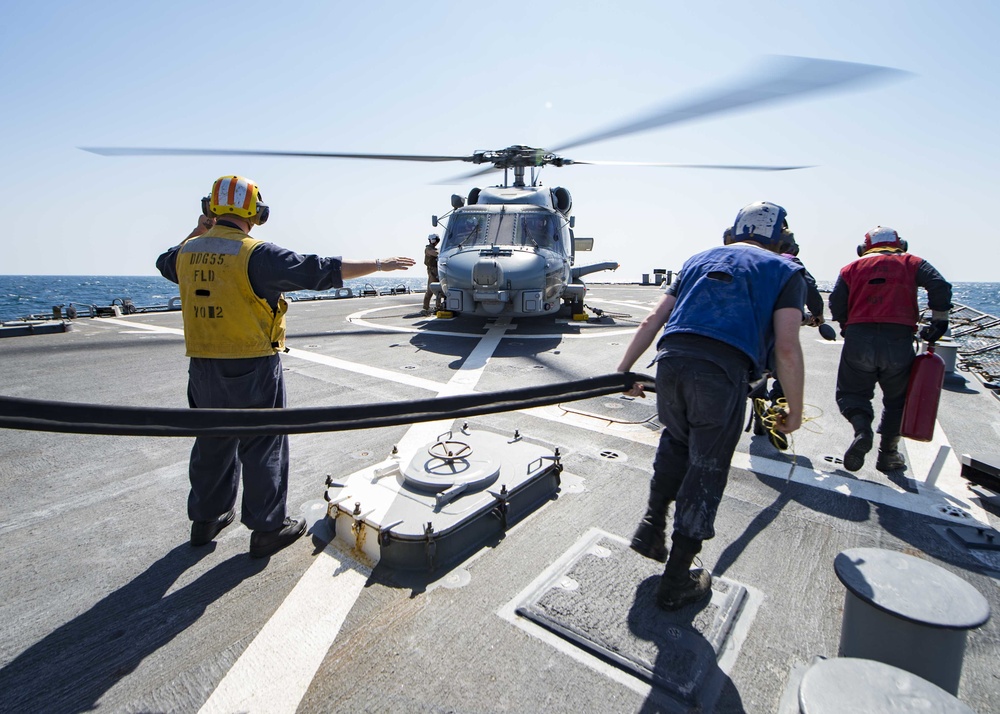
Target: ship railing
{"points": [[976, 326], [978, 336], [338, 294]]}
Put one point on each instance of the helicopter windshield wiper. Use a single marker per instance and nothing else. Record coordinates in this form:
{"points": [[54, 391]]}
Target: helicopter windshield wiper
{"points": [[474, 233]]}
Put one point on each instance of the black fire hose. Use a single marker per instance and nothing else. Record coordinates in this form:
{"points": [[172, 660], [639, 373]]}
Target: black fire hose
{"points": [[72, 418]]}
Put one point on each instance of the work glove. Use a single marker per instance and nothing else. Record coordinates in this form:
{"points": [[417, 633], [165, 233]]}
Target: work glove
{"points": [[934, 331]]}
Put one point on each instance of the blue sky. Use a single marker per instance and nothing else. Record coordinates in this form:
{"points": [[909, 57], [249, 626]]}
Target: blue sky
{"points": [[437, 77]]}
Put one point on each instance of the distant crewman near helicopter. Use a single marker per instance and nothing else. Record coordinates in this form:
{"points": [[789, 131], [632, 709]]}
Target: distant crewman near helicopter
{"points": [[875, 302], [231, 289], [729, 307], [431, 263]]}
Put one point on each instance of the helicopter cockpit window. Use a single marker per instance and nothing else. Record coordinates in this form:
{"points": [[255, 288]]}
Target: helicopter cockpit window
{"points": [[539, 230], [467, 229]]}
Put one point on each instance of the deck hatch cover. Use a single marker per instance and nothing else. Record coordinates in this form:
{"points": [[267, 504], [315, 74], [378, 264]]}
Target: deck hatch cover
{"points": [[976, 537], [603, 599]]}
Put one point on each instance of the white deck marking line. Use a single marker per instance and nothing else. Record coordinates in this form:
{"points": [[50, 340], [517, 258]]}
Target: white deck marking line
{"points": [[943, 470], [357, 318], [367, 370], [933, 465], [930, 502], [439, 387], [276, 669], [646, 305], [378, 500], [357, 368], [141, 326], [596, 331], [941, 485]]}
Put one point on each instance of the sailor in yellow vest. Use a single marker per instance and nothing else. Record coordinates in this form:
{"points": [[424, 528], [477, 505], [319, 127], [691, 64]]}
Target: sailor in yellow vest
{"points": [[234, 328]]}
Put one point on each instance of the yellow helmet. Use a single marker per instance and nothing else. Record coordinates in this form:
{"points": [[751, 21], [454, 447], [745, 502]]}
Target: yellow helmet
{"points": [[236, 195]]}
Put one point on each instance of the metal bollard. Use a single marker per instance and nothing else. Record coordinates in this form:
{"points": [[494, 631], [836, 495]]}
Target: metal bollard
{"points": [[907, 612], [844, 684]]}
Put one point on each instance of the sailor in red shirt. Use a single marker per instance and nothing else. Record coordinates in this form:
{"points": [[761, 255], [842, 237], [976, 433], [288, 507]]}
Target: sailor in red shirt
{"points": [[875, 302]]}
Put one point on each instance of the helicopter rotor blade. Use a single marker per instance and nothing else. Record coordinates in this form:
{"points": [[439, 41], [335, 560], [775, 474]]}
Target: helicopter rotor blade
{"points": [[783, 79], [465, 177], [731, 167], [121, 151]]}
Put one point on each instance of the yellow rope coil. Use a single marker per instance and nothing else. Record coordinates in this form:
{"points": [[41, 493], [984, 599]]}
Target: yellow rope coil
{"points": [[770, 415]]}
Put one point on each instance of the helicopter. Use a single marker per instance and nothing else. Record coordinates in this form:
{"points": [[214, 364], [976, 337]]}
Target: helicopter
{"points": [[511, 249]]}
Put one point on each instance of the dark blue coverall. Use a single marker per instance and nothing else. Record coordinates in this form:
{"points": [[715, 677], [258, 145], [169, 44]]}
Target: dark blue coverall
{"points": [[251, 383]]}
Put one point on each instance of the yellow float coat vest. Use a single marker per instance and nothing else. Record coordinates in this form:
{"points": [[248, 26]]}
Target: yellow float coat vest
{"points": [[223, 317]]}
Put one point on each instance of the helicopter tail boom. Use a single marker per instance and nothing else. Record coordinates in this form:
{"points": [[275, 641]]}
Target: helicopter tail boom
{"points": [[595, 268]]}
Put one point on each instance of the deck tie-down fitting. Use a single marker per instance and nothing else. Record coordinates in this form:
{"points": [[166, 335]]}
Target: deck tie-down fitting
{"points": [[431, 546], [502, 505]]}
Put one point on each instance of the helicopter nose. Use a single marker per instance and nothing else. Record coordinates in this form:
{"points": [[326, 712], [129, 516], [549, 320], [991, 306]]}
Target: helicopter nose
{"points": [[487, 273]]}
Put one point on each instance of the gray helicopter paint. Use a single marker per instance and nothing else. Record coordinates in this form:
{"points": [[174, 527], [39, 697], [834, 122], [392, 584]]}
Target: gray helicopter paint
{"points": [[528, 195], [496, 267]]}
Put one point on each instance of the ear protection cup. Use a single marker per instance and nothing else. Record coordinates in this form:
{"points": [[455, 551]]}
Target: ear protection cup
{"points": [[263, 213], [903, 246], [205, 210]]}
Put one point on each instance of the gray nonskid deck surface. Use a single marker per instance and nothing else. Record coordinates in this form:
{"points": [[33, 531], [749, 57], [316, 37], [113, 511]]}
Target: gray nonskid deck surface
{"points": [[106, 605]]}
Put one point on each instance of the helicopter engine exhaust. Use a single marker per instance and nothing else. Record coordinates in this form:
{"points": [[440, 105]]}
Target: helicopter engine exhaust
{"points": [[562, 200]]}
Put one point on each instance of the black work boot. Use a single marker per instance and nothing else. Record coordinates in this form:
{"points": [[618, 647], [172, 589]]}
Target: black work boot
{"points": [[265, 543], [889, 458], [204, 532], [649, 539], [679, 585], [854, 457]]}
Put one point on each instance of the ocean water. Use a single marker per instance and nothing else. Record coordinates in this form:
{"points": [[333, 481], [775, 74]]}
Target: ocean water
{"points": [[25, 295], [22, 296]]}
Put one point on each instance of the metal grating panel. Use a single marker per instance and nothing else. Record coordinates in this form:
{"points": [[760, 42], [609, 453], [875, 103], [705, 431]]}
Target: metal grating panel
{"points": [[602, 598]]}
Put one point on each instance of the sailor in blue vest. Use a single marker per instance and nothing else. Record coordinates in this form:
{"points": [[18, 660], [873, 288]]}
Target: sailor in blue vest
{"points": [[728, 309]]}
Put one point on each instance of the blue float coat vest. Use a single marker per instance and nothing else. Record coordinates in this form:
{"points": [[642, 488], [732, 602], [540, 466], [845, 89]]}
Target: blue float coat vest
{"points": [[728, 293]]}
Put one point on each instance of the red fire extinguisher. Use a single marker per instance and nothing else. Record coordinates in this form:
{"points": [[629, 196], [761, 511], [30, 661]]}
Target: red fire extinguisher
{"points": [[923, 393]]}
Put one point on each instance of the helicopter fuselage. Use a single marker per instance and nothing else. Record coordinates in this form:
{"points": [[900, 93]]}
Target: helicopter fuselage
{"points": [[509, 252]]}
